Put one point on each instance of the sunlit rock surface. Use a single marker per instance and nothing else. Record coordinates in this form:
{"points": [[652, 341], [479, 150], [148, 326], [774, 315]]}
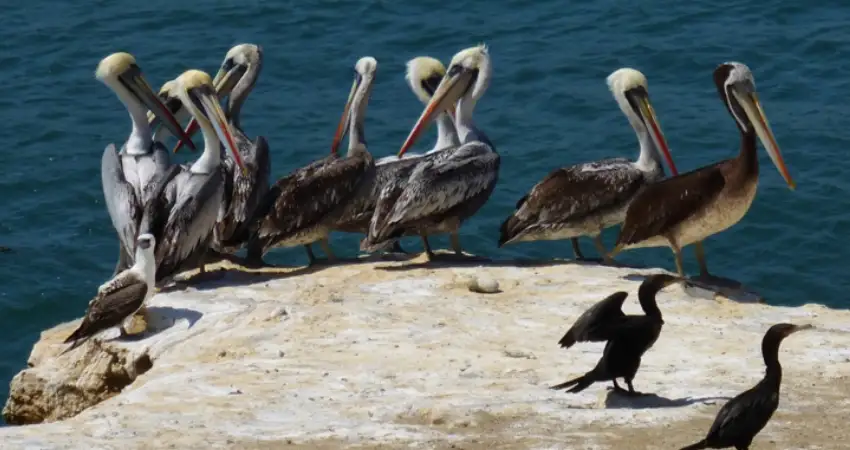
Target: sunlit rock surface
{"points": [[386, 354]]}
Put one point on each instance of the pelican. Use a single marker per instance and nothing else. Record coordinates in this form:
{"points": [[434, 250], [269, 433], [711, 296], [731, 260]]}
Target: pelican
{"points": [[443, 191], [688, 208], [187, 204], [584, 199], [236, 78], [302, 207], [120, 297], [126, 176], [423, 75]]}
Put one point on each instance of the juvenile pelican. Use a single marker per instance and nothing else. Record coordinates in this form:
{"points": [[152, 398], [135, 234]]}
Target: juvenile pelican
{"points": [[584, 199], [301, 208], [242, 194], [423, 75], [443, 191], [120, 297], [183, 214], [126, 175], [688, 208]]}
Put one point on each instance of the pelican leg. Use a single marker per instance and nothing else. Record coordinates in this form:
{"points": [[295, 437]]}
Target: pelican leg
{"points": [[311, 258], [576, 248], [397, 248], [326, 247], [703, 267], [455, 239], [677, 253], [600, 247], [425, 243]]}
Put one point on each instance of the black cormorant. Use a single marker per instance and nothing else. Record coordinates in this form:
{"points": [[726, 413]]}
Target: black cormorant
{"points": [[628, 337], [744, 416]]}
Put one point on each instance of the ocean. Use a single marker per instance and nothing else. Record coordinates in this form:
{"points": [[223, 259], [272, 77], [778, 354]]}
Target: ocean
{"points": [[547, 107]]}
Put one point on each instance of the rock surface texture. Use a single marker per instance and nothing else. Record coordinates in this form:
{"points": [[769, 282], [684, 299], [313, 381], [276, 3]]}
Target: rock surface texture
{"points": [[395, 354]]}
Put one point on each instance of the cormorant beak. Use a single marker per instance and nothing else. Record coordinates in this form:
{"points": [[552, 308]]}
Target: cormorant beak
{"points": [[224, 82], [209, 102], [342, 127], [133, 80], [796, 328], [450, 90], [650, 120], [752, 108]]}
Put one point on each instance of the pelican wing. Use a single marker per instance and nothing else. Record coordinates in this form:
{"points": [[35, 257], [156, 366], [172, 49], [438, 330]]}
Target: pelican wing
{"points": [[593, 325], [438, 185], [247, 191], [125, 209], [660, 206], [571, 194], [190, 221], [307, 195]]}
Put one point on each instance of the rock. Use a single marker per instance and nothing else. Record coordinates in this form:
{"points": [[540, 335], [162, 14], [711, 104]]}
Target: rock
{"points": [[483, 285], [412, 359]]}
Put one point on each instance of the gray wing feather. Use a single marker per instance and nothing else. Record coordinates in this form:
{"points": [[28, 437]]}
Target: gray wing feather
{"points": [[124, 207], [439, 185]]}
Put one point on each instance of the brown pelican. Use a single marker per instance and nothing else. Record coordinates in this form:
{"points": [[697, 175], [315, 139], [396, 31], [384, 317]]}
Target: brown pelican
{"points": [[584, 199], [120, 297], [301, 208], [688, 208], [187, 204], [443, 191], [236, 78], [126, 176], [423, 76]]}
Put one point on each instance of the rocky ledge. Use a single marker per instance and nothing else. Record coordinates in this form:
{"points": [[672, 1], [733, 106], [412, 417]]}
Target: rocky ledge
{"points": [[383, 354]]}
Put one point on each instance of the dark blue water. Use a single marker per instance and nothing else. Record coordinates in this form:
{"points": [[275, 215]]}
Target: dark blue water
{"points": [[547, 106]]}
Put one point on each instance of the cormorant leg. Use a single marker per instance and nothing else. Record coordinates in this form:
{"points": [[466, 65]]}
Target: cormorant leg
{"points": [[576, 249], [326, 247], [311, 258], [455, 237], [425, 243], [632, 392], [617, 387]]}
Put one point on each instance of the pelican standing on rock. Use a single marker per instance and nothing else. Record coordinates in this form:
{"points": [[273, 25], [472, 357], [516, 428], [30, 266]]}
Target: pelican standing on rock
{"points": [[303, 207], [688, 208], [584, 199], [186, 207], [242, 194], [121, 296], [423, 75], [444, 191], [127, 175]]}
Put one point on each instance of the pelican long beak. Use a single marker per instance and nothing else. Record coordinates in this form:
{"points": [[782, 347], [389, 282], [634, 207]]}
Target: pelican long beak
{"points": [[136, 83], [223, 82], [647, 113], [212, 109], [344, 121], [451, 88], [749, 101]]}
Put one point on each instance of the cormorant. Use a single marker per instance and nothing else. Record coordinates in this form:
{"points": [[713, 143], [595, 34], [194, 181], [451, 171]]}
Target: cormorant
{"points": [[744, 416], [628, 337]]}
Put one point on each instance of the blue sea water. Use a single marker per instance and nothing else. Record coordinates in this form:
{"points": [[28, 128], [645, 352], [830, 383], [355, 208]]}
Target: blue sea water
{"points": [[547, 107]]}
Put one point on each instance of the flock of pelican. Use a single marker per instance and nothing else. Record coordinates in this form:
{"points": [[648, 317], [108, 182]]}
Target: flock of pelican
{"points": [[173, 217]]}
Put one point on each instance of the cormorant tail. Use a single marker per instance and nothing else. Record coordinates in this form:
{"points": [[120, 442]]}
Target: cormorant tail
{"points": [[576, 384], [698, 446]]}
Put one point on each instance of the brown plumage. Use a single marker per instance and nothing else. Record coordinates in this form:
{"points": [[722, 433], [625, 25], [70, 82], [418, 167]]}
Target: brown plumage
{"points": [[688, 208]]}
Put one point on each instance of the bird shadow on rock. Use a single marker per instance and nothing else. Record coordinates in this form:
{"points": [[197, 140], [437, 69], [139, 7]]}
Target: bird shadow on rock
{"points": [[161, 318], [708, 288], [449, 260], [615, 400]]}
